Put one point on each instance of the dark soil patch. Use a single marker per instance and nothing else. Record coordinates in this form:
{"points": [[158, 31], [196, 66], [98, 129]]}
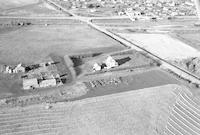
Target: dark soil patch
{"points": [[138, 81]]}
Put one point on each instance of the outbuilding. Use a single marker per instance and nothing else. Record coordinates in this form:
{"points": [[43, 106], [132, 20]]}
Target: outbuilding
{"points": [[19, 69], [48, 83], [96, 67], [30, 83]]}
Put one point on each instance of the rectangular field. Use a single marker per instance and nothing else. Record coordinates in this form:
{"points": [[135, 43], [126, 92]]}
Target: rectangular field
{"points": [[162, 45], [15, 3], [128, 81], [34, 42], [41, 9], [191, 38]]}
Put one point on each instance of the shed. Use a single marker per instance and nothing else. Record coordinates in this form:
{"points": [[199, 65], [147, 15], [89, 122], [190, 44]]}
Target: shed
{"points": [[48, 83], [19, 68], [30, 83], [96, 67]]}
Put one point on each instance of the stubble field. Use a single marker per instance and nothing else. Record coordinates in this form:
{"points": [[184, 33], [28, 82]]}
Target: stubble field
{"points": [[31, 43]]}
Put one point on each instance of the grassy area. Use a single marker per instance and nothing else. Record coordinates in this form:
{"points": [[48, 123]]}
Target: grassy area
{"points": [[38, 9], [140, 112], [191, 39], [10, 4], [132, 81], [162, 45], [29, 44]]}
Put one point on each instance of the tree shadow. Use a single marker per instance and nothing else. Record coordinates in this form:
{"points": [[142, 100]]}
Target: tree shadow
{"points": [[123, 60]]}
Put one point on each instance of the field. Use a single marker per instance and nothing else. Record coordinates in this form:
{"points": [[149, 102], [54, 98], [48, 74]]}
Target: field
{"points": [[162, 45], [15, 3], [184, 116], [136, 112], [34, 10], [31, 43], [191, 38], [10, 86], [128, 81]]}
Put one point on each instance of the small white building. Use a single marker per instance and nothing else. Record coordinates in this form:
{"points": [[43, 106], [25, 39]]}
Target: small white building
{"points": [[8, 70], [30, 83], [48, 83], [19, 68], [96, 67], [93, 10]]}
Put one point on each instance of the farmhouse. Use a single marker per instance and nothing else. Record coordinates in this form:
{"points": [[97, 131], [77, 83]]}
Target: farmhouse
{"points": [[110, 62]]}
